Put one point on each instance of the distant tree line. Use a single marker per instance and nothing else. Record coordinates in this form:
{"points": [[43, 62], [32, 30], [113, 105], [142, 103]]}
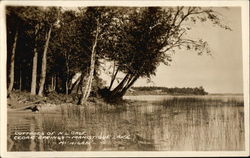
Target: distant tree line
{"points": [[172, 91], [48, 46]]}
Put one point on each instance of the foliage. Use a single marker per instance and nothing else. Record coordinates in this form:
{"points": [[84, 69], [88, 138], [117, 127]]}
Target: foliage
{"points": [[164, 90], [142, 38], [135, 39]]}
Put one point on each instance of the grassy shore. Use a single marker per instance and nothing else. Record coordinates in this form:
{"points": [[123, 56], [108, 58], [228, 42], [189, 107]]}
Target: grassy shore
{"points": [[23, 101]]}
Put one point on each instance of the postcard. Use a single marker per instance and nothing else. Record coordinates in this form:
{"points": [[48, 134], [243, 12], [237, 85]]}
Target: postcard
{"points": [[124, 78]]}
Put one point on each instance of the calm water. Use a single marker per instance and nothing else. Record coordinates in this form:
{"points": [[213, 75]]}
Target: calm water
{"points": [[162, 97], [140, 126]]}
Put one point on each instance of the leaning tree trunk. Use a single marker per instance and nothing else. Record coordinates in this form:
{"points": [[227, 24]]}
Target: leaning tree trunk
{"points": [[88, 86], [12, 63], [114, 74], [79, 87], [44, 63], [129, 84], [120, 86], [34, 66], [124, 85]]}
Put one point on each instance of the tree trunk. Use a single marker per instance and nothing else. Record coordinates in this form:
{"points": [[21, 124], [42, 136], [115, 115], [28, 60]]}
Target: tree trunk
{"points": [[120, 92], [34, 66], [81, 89], [56, 84], [34, 73], [12, 63], [113, 77], [20, 77], [67, 75], [66, 87], [87, 88], [90, 82], [52, 84], [120, 86], [72, 86], [44, 63], [79, 86], [124, 90], [88, 85]]}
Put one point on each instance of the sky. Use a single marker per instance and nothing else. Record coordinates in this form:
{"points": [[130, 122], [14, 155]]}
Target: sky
{"points": [[220, 73]]}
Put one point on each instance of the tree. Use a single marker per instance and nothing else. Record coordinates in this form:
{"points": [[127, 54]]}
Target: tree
{"points": [[34, 66], [148, 36], [33, 17], [42, 34], [12, 16], [95, 24], [51, 17], [54, 44], [27, 17], [70, 54]]}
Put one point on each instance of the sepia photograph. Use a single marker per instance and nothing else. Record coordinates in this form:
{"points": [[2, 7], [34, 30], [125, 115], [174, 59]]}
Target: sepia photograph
{"points": [[124, 77]]}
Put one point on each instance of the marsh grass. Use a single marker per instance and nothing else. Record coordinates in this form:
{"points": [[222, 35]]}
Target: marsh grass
{"points": [[175, 101], [204, 124]]}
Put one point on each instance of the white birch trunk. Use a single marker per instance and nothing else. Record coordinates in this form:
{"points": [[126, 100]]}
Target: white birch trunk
{"points": [[34, 66], [44, 64], [12, 63], [88, 85]]}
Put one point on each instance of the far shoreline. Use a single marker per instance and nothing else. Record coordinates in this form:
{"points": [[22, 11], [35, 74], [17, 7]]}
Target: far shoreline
{"points": [[210, 94]]}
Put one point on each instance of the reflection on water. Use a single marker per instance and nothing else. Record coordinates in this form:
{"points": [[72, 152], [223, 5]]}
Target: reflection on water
{"points": [[148, 126]]}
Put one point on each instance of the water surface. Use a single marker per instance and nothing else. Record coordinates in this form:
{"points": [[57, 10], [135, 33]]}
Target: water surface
{"points": [[140, 126]]}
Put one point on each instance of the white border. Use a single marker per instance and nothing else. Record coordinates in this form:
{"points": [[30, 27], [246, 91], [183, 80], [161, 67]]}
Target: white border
{"points": [[244, 4]]}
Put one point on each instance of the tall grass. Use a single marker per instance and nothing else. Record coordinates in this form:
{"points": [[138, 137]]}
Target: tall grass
{"points": [[204, 124], [175, 101]]}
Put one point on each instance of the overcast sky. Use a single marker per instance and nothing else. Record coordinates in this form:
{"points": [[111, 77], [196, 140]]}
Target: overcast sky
{"points": [[221, 73]]}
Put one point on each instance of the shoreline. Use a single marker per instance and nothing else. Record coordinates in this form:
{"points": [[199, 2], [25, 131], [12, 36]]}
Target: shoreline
{"points": [[210, 94]]}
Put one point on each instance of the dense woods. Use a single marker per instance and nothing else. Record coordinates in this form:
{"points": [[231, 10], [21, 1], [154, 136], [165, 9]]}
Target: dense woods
{"points": [[171, 91], [61, 50]]}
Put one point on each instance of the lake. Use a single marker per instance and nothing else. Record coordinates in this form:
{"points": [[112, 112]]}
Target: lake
{"points": [[145, 123], [162, 97]]}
